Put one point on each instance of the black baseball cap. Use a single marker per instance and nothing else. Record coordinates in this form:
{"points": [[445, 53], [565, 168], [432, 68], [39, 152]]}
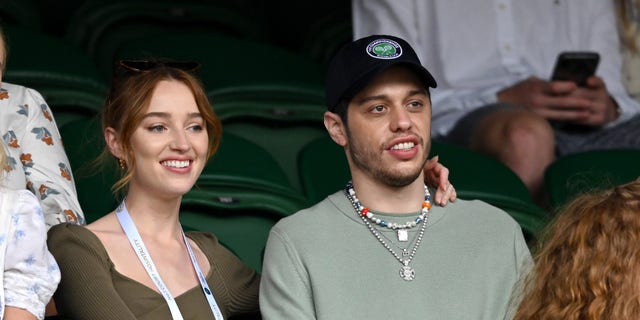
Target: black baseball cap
{"points": [[358, 62]]}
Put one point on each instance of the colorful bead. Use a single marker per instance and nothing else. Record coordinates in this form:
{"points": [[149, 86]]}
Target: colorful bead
{"points": [[365, 212]]}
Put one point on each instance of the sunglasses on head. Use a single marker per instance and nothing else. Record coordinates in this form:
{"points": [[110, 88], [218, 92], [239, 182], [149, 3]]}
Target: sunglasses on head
{"points": [[140, 66]]}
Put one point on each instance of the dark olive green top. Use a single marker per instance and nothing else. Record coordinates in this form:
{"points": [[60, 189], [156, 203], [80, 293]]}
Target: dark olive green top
{"points": [[91, 288]]}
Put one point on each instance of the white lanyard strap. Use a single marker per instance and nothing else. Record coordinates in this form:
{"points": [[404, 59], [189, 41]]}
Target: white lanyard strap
{"points": [[143, 254], [203, 282]]}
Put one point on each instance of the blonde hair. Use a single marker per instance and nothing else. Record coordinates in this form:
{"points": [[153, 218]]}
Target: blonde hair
{"points": [[628, 13], [588, 262]]}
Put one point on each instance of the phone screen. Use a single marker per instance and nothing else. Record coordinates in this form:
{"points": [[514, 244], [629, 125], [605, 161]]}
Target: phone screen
{"points": [[575, 66]]}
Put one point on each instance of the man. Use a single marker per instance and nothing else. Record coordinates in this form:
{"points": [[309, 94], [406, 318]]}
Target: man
{"points": [[494, 59], [378, 250]]}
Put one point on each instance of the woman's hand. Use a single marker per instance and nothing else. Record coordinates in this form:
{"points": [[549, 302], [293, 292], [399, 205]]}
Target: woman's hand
{"points": [[436, 175]]}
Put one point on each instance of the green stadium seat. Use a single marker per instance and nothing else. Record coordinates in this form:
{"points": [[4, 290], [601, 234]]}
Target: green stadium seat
{"points": [[229, 61], [245, 166], [102, 27], [280, 118], [83, 143], [242, 226], [577, 173]]}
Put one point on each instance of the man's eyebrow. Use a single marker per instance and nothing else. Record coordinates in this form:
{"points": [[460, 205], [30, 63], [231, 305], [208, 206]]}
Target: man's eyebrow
{"points": [[383, 96], [371, 98]]}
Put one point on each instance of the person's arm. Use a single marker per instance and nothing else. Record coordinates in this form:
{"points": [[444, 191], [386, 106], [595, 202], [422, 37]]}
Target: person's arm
{"points": [[603, 38], [30, 272], [285, 290], [86, 290], [13, 313], [604, 100], [46, 165]]}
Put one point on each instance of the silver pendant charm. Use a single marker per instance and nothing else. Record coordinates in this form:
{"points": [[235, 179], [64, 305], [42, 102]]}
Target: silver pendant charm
{"points": [[407, 273], [403, 235]]}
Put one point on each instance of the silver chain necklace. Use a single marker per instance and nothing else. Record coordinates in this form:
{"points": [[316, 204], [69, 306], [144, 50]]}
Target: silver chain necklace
{"points": [[407, 273]]}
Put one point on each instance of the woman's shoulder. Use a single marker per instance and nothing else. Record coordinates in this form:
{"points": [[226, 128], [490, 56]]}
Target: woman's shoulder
{"points": [[205, 240], [71, 233], [210, 246], [73, 244]]}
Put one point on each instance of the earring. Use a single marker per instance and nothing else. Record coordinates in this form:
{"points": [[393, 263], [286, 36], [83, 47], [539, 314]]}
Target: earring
{"points": [[122, 164]]}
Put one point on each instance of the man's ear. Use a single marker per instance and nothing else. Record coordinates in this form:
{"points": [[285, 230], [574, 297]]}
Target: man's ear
{"points": [[113, 143], [336, 128]]}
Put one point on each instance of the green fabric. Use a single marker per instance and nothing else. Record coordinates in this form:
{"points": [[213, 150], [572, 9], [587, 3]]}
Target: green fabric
{"points": [[323, 263], [91, 287]]}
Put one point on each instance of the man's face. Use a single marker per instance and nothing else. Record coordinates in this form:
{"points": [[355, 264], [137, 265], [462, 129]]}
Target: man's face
{"points": [[388, 129]]}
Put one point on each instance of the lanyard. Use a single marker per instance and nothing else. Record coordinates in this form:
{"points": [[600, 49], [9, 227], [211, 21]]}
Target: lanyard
{"points": [[136, 242]]}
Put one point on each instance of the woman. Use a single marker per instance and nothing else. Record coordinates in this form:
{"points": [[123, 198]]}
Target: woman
{"points": [[29, 273], [588, 266], [160, 126]]}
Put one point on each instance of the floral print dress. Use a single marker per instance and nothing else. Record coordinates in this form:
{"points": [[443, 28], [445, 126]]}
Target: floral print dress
{"points": [[36, 157]]}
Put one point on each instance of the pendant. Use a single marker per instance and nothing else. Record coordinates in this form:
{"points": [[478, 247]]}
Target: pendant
{"points": [[403, 235], [407, 273]]}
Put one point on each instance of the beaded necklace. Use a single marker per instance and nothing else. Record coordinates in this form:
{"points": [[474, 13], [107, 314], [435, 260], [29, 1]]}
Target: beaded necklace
{"points": [[407, 273], [401, 228]]}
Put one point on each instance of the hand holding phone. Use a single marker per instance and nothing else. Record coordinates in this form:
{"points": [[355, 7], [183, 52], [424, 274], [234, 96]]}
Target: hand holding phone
{"points": [[576, 66]]}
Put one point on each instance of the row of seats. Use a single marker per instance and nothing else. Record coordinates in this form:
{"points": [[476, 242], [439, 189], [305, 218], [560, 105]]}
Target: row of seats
{"points": [[99, 27]]}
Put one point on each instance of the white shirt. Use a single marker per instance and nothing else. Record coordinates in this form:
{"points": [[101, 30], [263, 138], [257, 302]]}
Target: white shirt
{"points": [[476, 48], [30, 274]]}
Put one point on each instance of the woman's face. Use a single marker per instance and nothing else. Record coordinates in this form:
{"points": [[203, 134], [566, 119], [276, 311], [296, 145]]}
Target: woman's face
{"points": [[170, 143]]}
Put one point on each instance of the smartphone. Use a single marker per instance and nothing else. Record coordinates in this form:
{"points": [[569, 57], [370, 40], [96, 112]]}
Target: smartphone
{"points": [[576, 66]]}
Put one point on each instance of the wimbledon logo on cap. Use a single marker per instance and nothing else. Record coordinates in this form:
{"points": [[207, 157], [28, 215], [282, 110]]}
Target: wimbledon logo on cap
{"points": [[384, 49]]}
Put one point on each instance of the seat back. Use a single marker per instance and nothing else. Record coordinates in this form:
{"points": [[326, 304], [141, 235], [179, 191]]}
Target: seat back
{"points": [[323, 169], [83, 143], [279, 118], [477, 176], [577, 173], [240, 163], [243, 226]]}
